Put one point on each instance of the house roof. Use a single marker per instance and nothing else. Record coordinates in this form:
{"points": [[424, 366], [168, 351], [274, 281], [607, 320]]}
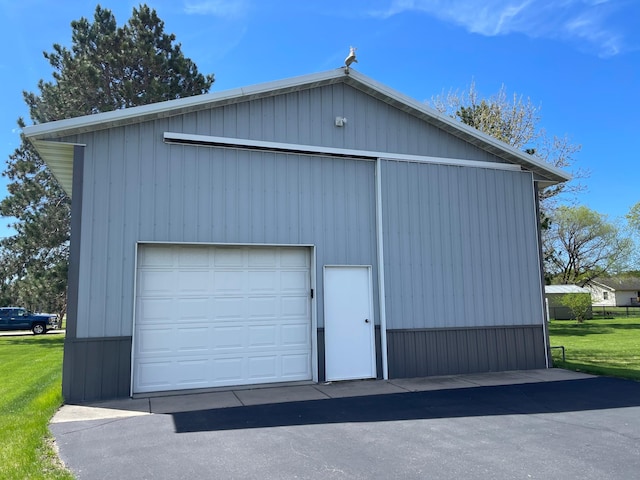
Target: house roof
{"points": [[618, 283], [60, 158], [564, 289]]}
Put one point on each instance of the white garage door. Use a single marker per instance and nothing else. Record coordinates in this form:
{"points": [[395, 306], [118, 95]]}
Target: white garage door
{"points": [[220, 316]]}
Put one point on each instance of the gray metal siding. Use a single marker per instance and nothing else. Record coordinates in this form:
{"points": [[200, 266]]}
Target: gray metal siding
{"points": [[150, 191], [460, 247], [308, 118], [96, 369], [423, 353]]}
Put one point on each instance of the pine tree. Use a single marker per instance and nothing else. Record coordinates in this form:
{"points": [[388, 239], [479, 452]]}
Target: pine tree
{"points": [[107, 68]]}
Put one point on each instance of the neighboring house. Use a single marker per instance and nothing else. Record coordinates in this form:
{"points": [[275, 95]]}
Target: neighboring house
{"points": [[615, 291], [554, 295], [318, 228]]}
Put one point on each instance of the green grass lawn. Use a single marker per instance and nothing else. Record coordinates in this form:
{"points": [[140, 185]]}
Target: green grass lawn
{"points": [[30, 393], [603, 347]]}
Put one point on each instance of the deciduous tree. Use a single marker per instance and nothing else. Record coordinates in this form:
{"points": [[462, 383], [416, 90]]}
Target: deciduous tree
{"points": [[579, 304], [106, 68], [515, 121], [582, 244]]}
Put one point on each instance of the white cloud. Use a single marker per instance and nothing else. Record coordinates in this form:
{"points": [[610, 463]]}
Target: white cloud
{"points": [[585, 21], [217, 8]]}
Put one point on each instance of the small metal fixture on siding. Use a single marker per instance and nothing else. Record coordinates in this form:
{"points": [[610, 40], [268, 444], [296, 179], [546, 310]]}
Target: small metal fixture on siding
{"points": [[341, 121]]}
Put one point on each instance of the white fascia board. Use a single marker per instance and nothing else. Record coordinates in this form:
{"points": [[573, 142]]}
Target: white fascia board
{"points": [[207, 140]]}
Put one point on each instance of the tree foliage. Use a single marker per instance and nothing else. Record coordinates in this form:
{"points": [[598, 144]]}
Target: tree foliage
{"points": [[582, 245], [106, 68], [110, 67], [579, 304], [515, 121], [633, 218]]}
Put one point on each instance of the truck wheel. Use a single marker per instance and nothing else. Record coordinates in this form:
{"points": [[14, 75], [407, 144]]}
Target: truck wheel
{"points": [[39, 328]]}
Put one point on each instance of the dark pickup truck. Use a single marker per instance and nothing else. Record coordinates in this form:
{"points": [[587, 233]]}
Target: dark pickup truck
{"points": [[16, 318]]}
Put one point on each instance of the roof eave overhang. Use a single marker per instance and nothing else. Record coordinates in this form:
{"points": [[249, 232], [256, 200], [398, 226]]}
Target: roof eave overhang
{"points": [[59, 158]]}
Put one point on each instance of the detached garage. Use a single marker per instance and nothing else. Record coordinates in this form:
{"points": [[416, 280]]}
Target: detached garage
{"points": [[254, 237]]}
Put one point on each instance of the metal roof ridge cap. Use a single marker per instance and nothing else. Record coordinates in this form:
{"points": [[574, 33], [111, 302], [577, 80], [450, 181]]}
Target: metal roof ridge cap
{"points": [[291, 82]]}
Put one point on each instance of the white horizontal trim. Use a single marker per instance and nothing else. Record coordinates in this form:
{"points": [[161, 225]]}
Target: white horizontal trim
{"points": [[223, 244], [208, 140]]}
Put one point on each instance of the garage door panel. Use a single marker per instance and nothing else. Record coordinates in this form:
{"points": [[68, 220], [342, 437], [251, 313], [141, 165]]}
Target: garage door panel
{"points": [[263, 282], [227, 370], [192, 372], [295, 281], [221, 316], [154, 310], [263, 336], [156, 257], [294, 257], [193, 281], [228, 337], [229, 257], [294, 365], [193, 339], [154, 375], [230, 308], [296, 335], [260, 257], [155, 340], [263, 367], [229, 282], [193, 256], [263, 307], [157, 282], [191, 309], [295, 306]]}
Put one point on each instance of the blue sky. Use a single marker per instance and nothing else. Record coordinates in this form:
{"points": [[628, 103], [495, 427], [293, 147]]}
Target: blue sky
{"points": [[579, 60]]}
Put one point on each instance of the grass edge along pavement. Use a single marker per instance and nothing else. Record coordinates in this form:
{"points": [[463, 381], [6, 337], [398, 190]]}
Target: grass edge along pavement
{"points": [[609, 347], [31, 373]]}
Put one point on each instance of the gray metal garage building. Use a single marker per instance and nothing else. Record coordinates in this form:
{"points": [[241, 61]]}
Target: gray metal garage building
{"points": [[318, 228]]}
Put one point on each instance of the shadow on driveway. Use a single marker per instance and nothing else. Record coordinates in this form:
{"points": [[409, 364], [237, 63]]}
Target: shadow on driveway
{"points": [[547, 397]]}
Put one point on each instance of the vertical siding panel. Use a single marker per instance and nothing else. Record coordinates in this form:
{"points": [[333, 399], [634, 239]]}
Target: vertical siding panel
{"points": [[405, 282], [189, 201], [303, 119], [115, 232], [242, 113], [203, 205], [161, 194], [146, 171], [335, 135], [176, 194], [95, 309], [125, 274], [416, 248], [473, 276]]}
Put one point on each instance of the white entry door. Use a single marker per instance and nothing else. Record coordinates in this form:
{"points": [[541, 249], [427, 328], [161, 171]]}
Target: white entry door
{"points": [[349, 333]]}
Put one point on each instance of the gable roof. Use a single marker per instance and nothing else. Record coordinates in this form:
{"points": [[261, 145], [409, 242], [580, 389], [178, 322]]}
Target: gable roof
{"points": [[618, 283], [60, 158]]}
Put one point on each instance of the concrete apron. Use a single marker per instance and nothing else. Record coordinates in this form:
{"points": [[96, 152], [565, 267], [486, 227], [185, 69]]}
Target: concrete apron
{"points": [[280, 394]]}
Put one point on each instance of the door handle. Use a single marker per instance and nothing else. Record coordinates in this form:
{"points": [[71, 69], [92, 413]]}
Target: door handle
{"points": [[366, 320]]}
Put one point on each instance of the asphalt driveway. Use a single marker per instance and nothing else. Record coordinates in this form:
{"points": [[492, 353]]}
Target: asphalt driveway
{"points": [[534, 424]]}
